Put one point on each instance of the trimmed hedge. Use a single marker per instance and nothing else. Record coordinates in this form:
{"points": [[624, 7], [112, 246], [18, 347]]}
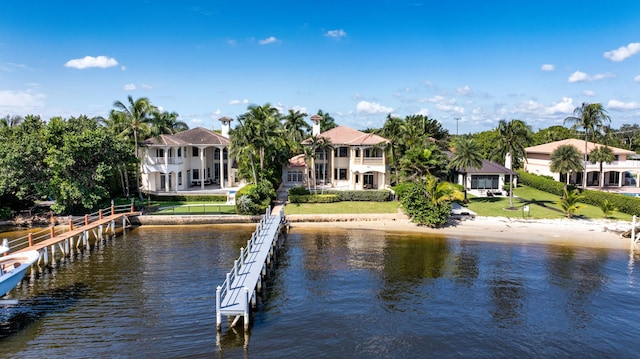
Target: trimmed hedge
{"points": [[187, 198], [314, 198], [367, 196], [624, 204]]}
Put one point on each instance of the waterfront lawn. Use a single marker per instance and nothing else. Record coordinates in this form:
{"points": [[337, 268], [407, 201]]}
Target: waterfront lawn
{"points": [[193, 208], [541, 205], [342, 207]]}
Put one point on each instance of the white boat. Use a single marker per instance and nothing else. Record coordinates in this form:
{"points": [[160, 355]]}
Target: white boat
{"points": [[13, 268]]}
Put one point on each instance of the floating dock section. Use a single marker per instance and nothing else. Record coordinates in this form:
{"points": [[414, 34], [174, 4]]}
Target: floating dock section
{"points": [[237, 294]]}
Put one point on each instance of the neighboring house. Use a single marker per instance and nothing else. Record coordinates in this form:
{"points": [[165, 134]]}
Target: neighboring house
{"points": [[487, 180], [355, 161], [621, 172], [195, 159]]}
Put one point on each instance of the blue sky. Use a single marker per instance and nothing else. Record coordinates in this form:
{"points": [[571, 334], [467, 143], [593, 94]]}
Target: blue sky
{"points": [[478, 61]]}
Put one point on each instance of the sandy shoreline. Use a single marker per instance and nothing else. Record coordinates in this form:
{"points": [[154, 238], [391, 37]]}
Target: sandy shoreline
{"points": [[575, 232]]}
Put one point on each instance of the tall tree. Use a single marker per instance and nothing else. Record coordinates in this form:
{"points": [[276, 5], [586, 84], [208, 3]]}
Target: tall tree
{"points": [[601, 155], [565, 159], [136, 115], [513, 137], [297, 129], [325, 145], [327, 122], [466, 154], [166, 123], [242, 146], [393, 130], [590, 117]]}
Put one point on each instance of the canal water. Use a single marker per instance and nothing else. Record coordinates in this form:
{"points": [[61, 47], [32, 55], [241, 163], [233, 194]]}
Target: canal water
{"points": [[333, 294]]}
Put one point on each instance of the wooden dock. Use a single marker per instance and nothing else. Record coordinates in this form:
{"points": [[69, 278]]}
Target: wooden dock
{"points": [[237, 294], [76, 234]]}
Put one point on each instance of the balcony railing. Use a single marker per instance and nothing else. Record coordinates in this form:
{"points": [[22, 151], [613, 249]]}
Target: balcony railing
{"points": [[160, 160]]}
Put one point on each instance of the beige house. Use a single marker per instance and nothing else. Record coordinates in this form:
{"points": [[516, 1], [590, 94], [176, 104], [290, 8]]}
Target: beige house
{"points": [[355, 161], [195, 159], [621, 172]]}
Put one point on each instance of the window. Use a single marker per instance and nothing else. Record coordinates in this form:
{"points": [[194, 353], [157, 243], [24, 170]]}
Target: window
{"points": [[159, 152], [340, 173], [196, 174], [485, 182], [295, 176], [357, 152], [194, 151], [179, 151], [179, 174], [342, 152]]}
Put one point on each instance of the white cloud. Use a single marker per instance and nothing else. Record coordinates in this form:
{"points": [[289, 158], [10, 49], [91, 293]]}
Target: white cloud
{"points": [[637, 78], [434, 99], [146, 87], [623, 52], [589, 93], [423, 112], [90, 61], [238, 102], [548, 67], [463, 90], [268, 40], [129, 87], [336, 33], [450, 108], [580, 76], [564, 106], [372, 108], [619, 105], [302, 109], [21, 99]]}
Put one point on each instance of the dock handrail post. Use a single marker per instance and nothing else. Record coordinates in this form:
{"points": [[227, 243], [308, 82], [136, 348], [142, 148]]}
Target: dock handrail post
{"points": [[133, 207], [235, 267], [218, 315], [633, 230], [246, 309], [100, 214], [113, 208], [30, 239], [52, 231], [228, 280], [86, 219], [70, 224], [5, 243], [241, 256]]}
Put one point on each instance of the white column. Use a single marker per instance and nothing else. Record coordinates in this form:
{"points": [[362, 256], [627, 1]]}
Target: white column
{"points": [[166, 166], [221, 168], [201, 168], [229, 168], [620, 177]]}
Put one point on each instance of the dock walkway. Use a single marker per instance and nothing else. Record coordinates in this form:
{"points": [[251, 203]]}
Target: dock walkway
{"points": [[238, 292]]}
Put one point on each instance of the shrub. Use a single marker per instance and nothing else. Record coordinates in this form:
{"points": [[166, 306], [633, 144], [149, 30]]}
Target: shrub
{"points": [[5, 213], [314, 198], [187, 198], [298, 191], [421, 209], [368, 195], [254, 199]]}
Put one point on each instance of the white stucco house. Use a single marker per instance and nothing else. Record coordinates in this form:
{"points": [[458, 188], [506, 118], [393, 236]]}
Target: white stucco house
{"points": [[623, 171], [488, 180], [195, 159], [355, 161]]}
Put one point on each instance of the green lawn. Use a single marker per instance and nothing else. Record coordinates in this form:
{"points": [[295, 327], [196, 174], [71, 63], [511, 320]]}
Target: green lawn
{"points": [[541, 205], [342, 208], [193, 208]]}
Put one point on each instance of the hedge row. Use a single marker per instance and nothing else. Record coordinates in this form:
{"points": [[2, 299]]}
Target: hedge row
{"points": [[368, 195], [188, 198], [314, 198], [624, 204]]}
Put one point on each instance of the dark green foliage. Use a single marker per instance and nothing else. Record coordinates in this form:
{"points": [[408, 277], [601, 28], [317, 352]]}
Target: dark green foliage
{"points": [[314, 198], [298, 191], [368, 195], [421, 209], [5, 213], [254, 199], [190, 198], [624, 204]]}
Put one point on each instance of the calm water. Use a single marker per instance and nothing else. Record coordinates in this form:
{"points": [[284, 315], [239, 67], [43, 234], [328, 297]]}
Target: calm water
{"points": [[333, 293]]}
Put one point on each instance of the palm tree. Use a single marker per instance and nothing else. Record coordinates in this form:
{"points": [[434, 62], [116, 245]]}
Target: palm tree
{"points": [[242, 145], [324, 145], [327, 122], [513, 136], [11, 121], [393, 130], [313, 143], [163, 122], [565, 159], [600, 155], [296, 127], [264, 123], [466, 154], [136, 117], [569, 202], [591, 117], [441, 191]]}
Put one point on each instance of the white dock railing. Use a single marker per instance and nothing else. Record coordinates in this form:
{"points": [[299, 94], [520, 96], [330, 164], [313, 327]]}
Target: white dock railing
{"points": [[237, 293]]}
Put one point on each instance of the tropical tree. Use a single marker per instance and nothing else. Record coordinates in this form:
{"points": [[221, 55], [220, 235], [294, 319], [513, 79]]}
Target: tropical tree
{"points": [[11, 121], [601, 155], [419, 161], [327, 122], [166, 123], [242, 146], [607, 208], [569, 202], [393, 130], [135, 115], [590, 117], [427, 201], [325, 145], [512, 139], [565, 159], [552, 134], [466, 154], [297, 129]]}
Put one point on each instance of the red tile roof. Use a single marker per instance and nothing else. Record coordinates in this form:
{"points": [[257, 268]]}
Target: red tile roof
{"points": [[547, 148], [343, 135], [194, 137]]}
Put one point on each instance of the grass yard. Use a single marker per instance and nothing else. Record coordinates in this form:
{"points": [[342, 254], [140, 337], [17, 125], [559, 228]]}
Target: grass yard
{"points": [[541, 205], [195, 208], [342, 208]]}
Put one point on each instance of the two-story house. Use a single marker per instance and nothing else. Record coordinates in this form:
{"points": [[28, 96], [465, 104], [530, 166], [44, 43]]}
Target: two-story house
{"points": [[621, 172], [353, 160], [195, 159]]}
